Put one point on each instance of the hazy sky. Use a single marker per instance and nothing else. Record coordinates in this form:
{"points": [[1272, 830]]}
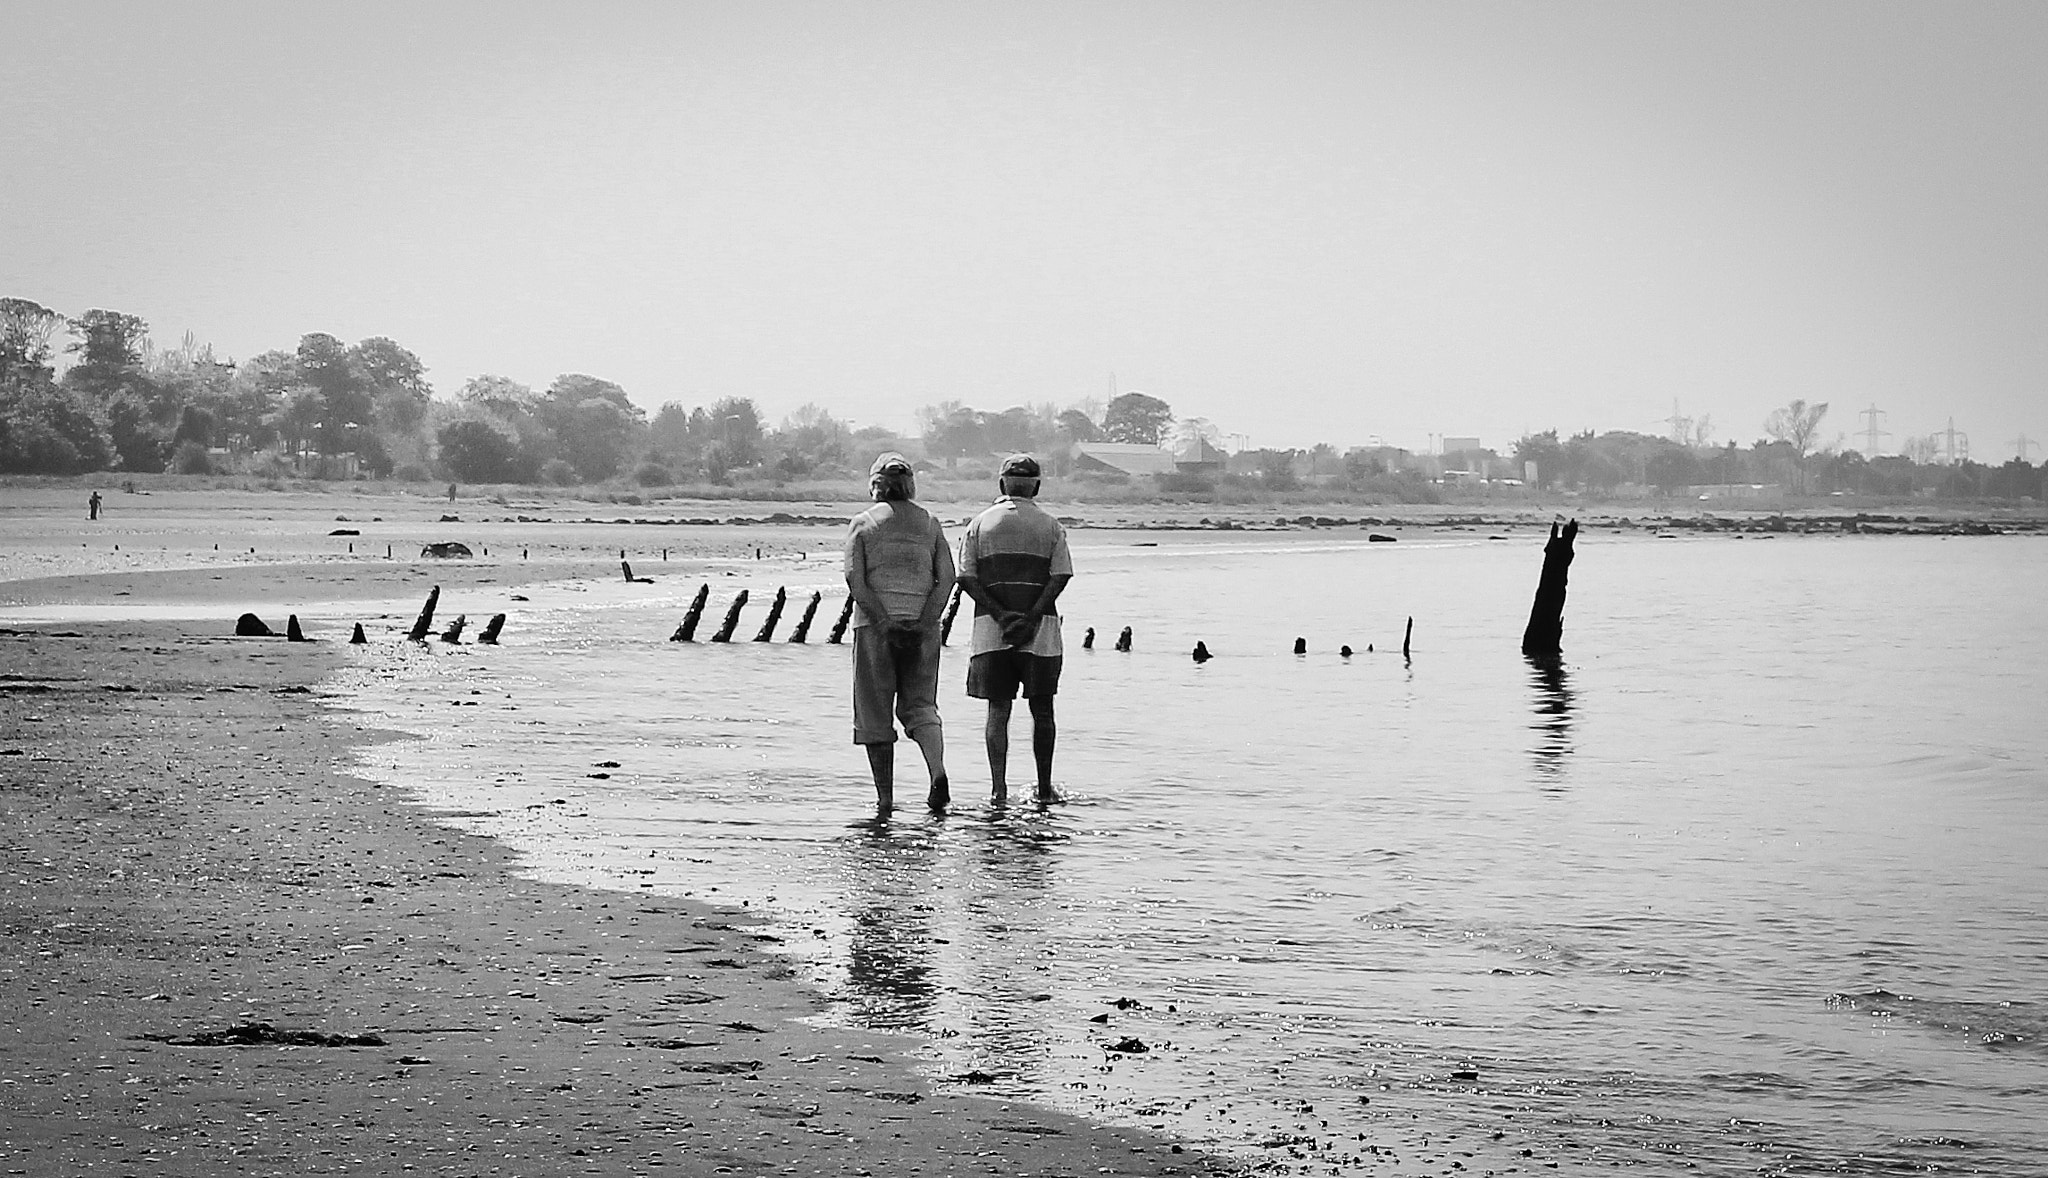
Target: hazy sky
{"points": [[1302, 221]]}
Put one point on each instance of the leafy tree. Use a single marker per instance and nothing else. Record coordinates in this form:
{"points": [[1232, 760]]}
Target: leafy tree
{"points": [[1138, 419], [1545, 451], [26, 329], [1078, 426], [48, 430], [1672, 469], [594, 423], [1276, 467], [109, 346], [811, 441], [397, 383], [249, 405], [735, 430], [478, 451], [958, 433]]}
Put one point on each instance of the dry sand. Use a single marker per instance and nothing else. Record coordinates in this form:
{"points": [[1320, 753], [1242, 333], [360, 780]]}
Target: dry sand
{"points": [[184, 868]]}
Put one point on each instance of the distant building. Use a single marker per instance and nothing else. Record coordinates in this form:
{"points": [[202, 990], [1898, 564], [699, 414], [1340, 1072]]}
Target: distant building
{"points": [[1459, 445], [1127, 458], [1197, 456]]}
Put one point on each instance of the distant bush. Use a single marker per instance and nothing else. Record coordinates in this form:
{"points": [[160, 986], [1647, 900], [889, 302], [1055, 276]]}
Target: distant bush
{"points": [[413, 472], [558, 473], [191, 458], [1185, 483], [653, 474]]}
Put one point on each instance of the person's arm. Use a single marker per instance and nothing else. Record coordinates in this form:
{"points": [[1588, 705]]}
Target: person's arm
{"points": [[864, 594], [942, 580]]}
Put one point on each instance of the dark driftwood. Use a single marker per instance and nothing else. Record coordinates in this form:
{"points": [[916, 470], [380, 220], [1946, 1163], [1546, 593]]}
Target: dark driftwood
{"points": [[803, 625], [491, 629], [628, 570], [1123, 640], [687, 632], [454, 631], [946, 625], [447, 549], [292, 633], [251, 626], [358, 638], [1406, 635], [732, 618], [425, 625], [1088, 639], [839, 627], [1544, 638], [774, 615]]}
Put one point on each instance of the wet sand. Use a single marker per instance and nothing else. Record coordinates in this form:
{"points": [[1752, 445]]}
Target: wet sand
{"points": [[220, 953]]}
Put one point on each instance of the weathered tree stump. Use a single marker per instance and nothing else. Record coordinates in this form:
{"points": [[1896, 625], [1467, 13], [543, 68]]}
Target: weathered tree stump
{"points": [[1407, 634], [946, 623], [1301, 646], [1123, 640], [774, 615], [839, 627], [251, 626], [447, 549], [803, 625], [491, 628], [292, 633], [1088, 639], [454, 631], [732, 618], [630, 578], [1544, 637], [359, 638], [425, 624], [687, 632]]}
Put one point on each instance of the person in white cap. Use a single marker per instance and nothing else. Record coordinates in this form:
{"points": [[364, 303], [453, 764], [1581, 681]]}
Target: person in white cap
{"points": [[900, 573]]}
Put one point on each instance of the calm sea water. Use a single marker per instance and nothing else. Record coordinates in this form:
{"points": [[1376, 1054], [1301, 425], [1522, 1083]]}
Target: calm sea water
{"points": [[1756, 883]]}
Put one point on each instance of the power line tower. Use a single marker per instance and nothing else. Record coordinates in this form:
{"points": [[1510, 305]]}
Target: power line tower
{"points": [[1873, 433], [1680, 424], [2022, 444], [1951, 437]]}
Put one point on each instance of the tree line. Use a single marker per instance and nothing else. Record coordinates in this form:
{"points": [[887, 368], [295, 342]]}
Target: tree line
{"points": [[330, 409]]}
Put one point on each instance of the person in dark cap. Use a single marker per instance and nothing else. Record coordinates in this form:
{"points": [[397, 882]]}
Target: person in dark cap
{"points": [[1014, 563], [900, 573]]}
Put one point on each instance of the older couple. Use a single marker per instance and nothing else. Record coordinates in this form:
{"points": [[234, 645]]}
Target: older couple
{"points": [[1013, 564]]}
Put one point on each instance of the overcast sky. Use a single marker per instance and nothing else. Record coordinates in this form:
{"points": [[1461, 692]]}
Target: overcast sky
{"points": [[1305, 222]]}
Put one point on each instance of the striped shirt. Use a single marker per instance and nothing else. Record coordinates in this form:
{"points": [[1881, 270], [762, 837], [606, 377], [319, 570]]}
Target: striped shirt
{"points": [[1015, 549]]}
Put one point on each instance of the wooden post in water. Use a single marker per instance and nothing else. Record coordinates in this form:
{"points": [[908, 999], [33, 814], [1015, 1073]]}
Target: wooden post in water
{"points": [[732, 618], [687, 632], [454, 631], [1544, 638], [491, 628], [292, 633], [425, 624], [839, 627], [803, 625], [358, 638], [774, 615], [1406, 635], [946, 623]]}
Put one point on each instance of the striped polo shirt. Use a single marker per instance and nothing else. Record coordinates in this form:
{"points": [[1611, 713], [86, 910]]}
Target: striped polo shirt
{"points": [[1015, 549]]}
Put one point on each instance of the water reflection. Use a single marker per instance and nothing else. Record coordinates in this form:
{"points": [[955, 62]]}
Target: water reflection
{"points": [[1553, 724], [949, 933], [889, 965]]}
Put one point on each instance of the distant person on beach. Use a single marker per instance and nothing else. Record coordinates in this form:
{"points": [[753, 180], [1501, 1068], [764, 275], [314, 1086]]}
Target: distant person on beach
{"points": [[1014, 563], [900, 572], [92, 506]]}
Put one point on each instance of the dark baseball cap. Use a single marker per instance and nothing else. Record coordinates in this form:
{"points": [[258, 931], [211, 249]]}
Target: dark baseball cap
{"points": [[1020, 466]]}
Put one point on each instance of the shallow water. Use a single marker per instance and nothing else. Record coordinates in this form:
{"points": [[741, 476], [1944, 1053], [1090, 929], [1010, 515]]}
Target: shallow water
{"points": [[1755, 882]]}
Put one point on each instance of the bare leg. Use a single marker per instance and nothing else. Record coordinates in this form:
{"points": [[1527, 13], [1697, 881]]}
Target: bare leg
{"points": [[882, 763], [1044, 733], [997, 734], [931, 740]]}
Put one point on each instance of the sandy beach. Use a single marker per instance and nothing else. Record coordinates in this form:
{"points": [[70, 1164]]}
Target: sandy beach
{"points": [[223, 954]]}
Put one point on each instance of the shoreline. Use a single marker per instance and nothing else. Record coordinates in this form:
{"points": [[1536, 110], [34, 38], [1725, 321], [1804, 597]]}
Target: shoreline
{"points": [[186, 871]]}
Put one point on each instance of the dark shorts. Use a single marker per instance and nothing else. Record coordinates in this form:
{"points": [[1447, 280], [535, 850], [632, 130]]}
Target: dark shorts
{"points": [[999, 673]]}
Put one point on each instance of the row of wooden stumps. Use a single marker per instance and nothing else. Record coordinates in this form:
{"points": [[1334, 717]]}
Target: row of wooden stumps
{"points": [[423, 626], [692, 617]]}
